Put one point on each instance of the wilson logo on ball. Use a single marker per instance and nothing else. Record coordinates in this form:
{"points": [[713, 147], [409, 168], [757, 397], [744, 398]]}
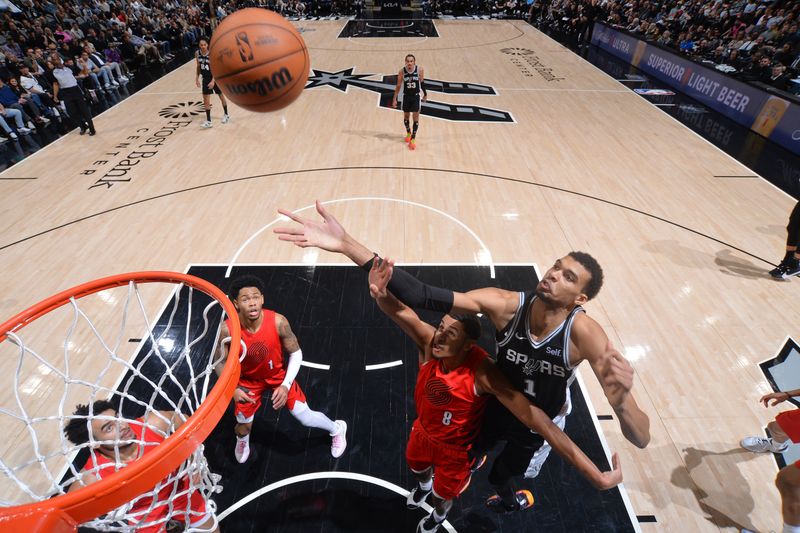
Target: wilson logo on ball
{"points": [[262, 86], [245, 50]]}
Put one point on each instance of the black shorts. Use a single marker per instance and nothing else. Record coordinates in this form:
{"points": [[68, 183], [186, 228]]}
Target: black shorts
{"points": [[499, 425], [411, 103], [206, 90]]}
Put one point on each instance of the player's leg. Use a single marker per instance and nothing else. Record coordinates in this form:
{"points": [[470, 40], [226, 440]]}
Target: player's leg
{"points": [[452, 478], [419, 457], [407, 124], [413, 142], [245, 412], [512, 462], [206, 105], [785, 428], [788, 483], [225, 117], [298, 406], [790, 264]]}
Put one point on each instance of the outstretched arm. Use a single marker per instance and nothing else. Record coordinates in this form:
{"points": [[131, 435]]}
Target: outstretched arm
{"points": [[497, 304], [420, 332], [491, 381], [615, 375]]}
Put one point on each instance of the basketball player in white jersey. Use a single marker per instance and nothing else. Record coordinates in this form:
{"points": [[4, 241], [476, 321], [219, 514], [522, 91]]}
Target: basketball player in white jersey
{"points": [[410, 82], [542, 336]]}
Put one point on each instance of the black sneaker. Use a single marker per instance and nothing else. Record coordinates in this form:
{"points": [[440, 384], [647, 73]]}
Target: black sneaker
{"points": [[416, 497], [524, 500], [786, 269], [428, 525]]}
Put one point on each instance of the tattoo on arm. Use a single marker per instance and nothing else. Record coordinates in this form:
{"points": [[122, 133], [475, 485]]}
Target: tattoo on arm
{"points": [[288, 338]]}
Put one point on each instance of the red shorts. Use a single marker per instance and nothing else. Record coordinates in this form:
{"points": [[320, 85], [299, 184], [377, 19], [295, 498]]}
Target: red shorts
{"points": [[187, 508], [450, 463], [789, 421], [245, 411]]}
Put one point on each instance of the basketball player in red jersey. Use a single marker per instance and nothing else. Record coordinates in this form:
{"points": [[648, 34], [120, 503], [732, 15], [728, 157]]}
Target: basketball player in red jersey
{"points": [[455, 379], [266, 335], [114, 437]]}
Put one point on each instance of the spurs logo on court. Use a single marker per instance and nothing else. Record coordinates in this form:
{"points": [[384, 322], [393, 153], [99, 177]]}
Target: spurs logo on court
{"points": [[182, 110], [517, 51], [384, 87], [437, 392], [245, 50]]}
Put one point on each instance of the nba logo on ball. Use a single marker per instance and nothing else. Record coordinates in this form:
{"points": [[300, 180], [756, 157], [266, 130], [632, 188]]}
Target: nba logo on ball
{"points": [[259, 60], [245, 51]]}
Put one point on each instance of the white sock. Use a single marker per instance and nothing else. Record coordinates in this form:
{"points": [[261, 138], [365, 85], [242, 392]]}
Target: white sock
{"points": [[427, 486], [790, 529], [314, 419], [439, 518]]}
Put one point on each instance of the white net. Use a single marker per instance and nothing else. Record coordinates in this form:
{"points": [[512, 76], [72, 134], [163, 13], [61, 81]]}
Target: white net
{"points": [[155, 373]]}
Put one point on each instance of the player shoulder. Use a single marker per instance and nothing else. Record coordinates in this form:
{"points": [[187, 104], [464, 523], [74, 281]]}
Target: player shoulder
{"points": [[588, 336]]}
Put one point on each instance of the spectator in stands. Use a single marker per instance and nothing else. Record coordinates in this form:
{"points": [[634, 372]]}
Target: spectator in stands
{"points": [[11, 101]]}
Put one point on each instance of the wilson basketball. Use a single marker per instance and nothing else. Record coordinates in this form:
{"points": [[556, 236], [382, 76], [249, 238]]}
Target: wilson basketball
{"points": [[259, 60]]}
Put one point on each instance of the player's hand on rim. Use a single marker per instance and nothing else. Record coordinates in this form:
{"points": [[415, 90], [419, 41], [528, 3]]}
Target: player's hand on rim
{"points": [[279, 397], [327, 234], [379, 276]]}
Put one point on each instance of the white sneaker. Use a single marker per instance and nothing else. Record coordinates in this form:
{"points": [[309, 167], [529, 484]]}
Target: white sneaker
{"points": [[107, 86], [762, 445], [23, 130], [339, 442], [242, 451], [45, 120], [30, 125], [123, 79], [56, 114], [13, 135], [206, 124], [226, 118], [417, 497], [115, 83]]}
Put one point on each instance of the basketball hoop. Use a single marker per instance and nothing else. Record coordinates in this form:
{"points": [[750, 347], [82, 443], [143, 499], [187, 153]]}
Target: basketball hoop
{"points": [[45, 503]]}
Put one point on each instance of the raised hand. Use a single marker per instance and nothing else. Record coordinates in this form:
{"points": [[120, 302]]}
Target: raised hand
{"points": [[379, 276], [326, 234]]}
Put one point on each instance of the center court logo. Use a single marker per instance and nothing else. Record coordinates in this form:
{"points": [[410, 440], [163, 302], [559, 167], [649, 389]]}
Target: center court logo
{"points": [[182, 110], [344, 79]]}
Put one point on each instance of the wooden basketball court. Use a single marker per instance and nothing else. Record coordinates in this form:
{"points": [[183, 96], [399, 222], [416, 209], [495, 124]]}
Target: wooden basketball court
{"points": [[683, 232]]}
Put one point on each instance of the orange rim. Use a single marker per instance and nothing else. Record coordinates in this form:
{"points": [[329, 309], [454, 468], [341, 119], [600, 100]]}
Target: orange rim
{"points": [[141, 475]]}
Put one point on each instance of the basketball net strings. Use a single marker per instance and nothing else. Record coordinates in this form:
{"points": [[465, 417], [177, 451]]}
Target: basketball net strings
{"points": [[191, 476]]}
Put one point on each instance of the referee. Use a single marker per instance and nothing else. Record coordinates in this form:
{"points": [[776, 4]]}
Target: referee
{"points": [[65, 87]]}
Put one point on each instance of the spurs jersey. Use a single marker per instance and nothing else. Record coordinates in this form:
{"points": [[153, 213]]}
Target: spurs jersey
{"points": [[540, 369], [264, 358], [448, 407], [205, 67], [411, 83]]}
